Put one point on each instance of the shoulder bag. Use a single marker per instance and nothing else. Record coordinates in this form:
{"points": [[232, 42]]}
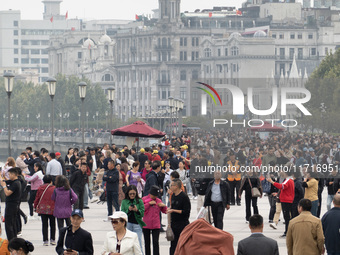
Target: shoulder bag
{"points": [[255, 192]]}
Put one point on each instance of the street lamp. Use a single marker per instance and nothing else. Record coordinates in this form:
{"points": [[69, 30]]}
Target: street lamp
{"points": [[180, 114], [111, 95], [106, 114], [171, 105], [176, 112], [38, 118], [87, 120], [49, 121], [17, 117], [9, 81], [82, 94], [28, 120], [4, 116], [51, 91], [79, 114]]}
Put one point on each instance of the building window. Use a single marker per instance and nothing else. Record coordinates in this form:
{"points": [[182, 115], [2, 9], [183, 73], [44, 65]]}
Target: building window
{"points": [[310, 36], [282, 53], [24, 61], [15, 23], [183, 76], [183, 56], [24, 42], [16, 42], [183, 41], [219, 68], [24, 51], [300, 53], [194, 74], [291, 53], [35, 42], [274, 36], [16, 61], [44, 70], [207, 52], [15, 32], [282, 36], [44, 61], [282, 69], [194, 55], [107, 77], [234, 51], [35, 60], [44, 51], [183, 93], [313, 51], [226, 51], [299, 35], [218, 52], [16, 51], [292, 36], [35, 52]]}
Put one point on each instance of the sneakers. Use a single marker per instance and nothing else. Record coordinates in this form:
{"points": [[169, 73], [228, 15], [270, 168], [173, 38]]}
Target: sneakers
{"points": [[247, 222], [283, 236], [270, 221], [273, 225], [52, 242], [195, 197], [86, 207], [19, 234], [45, 243], [25, 219], [93, 200]]}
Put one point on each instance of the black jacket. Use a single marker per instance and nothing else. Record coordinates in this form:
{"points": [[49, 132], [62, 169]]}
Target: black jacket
{"points": [[30, 162], [62, 163], [142, 158], [80, 241], [201, 185], [299, 191], [225, 192], [112, 180], [78, 181], [151, 179], [333, 188]]}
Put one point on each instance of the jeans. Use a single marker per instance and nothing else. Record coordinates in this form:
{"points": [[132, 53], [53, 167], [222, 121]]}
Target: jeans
{"points": [[44, 220], [314, 209], [138, 230], [33, 193], [11, 212], [217, 210], [155, 241], [287, 212], [86, 195], [112, 199], [272, 204], [253, 200], [329, 201], [60, 222]]}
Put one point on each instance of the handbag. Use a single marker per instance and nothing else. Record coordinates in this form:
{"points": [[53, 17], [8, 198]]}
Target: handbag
{"points": [[169, 234], [255, 192], [202, 213]]}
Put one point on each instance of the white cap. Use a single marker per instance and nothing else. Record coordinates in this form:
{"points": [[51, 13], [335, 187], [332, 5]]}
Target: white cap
{"points": [[119, 215]]}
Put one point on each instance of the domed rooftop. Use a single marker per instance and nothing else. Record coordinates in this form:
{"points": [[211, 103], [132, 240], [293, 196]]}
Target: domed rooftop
{"points": [[88, 43], [260, 33], [105, 39], [235, 34]]}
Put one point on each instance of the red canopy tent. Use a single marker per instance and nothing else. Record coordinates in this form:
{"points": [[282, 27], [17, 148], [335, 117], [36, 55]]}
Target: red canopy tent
{"points": [[138, 129], [267, 127]]}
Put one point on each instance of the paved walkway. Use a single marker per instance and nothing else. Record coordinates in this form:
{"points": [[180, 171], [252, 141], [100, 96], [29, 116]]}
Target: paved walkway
{"points": [[234, 222]]}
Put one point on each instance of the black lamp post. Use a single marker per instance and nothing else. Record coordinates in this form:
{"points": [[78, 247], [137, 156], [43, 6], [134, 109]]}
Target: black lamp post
{"points": [[9, 81], [51, 91], [82, 94], [111, 95]]}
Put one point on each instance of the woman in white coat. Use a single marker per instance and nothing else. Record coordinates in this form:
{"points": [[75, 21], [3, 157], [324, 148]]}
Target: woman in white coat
{"points": [[121, 240]]}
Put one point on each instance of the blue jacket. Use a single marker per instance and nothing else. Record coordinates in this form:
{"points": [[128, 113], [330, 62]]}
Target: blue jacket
{"points": [[331, 229], [112, 180]]}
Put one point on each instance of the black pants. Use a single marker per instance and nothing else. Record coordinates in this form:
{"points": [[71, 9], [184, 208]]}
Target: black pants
{"points": [[295, 211], [33, 193], [11, 212], [217, 211], [177, 228], [18, 220], [253, 200], [60, 222], [234, 185], [287, 212], [44, 220], [320, 202], [80, 202], [272, 203], [147, 241]]}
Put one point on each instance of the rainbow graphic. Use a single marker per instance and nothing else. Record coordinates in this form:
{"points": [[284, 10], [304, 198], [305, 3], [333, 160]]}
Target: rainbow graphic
{"points": [[209, 93]]}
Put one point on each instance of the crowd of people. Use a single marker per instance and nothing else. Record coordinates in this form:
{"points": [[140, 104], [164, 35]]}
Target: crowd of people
{"points": [[139, 184]]}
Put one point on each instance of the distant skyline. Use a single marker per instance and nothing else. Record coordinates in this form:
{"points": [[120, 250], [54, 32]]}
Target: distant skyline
{"points": [[106, 9]]}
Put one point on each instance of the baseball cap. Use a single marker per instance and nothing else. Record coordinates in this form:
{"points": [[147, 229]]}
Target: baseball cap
{"points": [[119, 215], [155, 152], [142, 150], [57, 153], [77, 212]]}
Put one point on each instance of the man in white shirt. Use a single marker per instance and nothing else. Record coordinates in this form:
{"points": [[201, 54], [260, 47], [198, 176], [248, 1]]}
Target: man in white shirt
{"points": [[53, 167]]}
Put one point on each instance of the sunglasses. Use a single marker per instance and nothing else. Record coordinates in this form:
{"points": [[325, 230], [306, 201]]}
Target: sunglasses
{"points": [[114, 222]]}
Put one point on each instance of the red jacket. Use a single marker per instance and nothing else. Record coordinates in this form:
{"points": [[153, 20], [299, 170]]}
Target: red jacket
{"points": [[287, 190], [151, 213], [46, 205], [156, 157], [149, 155]]}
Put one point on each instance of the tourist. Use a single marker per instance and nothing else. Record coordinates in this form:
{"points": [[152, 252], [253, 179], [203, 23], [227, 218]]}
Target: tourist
{"points": [[111, 177], [19, 246]]}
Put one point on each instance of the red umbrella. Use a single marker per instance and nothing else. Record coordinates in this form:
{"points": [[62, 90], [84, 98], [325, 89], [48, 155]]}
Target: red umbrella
{"points": [[267, 127], [138, 129]]}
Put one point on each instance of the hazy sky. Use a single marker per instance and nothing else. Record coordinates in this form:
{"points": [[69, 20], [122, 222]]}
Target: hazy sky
{"points": [[106, 9]]}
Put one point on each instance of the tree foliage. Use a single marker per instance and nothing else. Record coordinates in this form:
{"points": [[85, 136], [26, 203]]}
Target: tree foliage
{"points": [[31, 99]]}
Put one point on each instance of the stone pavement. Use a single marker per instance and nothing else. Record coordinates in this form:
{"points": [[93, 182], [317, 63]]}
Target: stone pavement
{"points": [[234, 223]]}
